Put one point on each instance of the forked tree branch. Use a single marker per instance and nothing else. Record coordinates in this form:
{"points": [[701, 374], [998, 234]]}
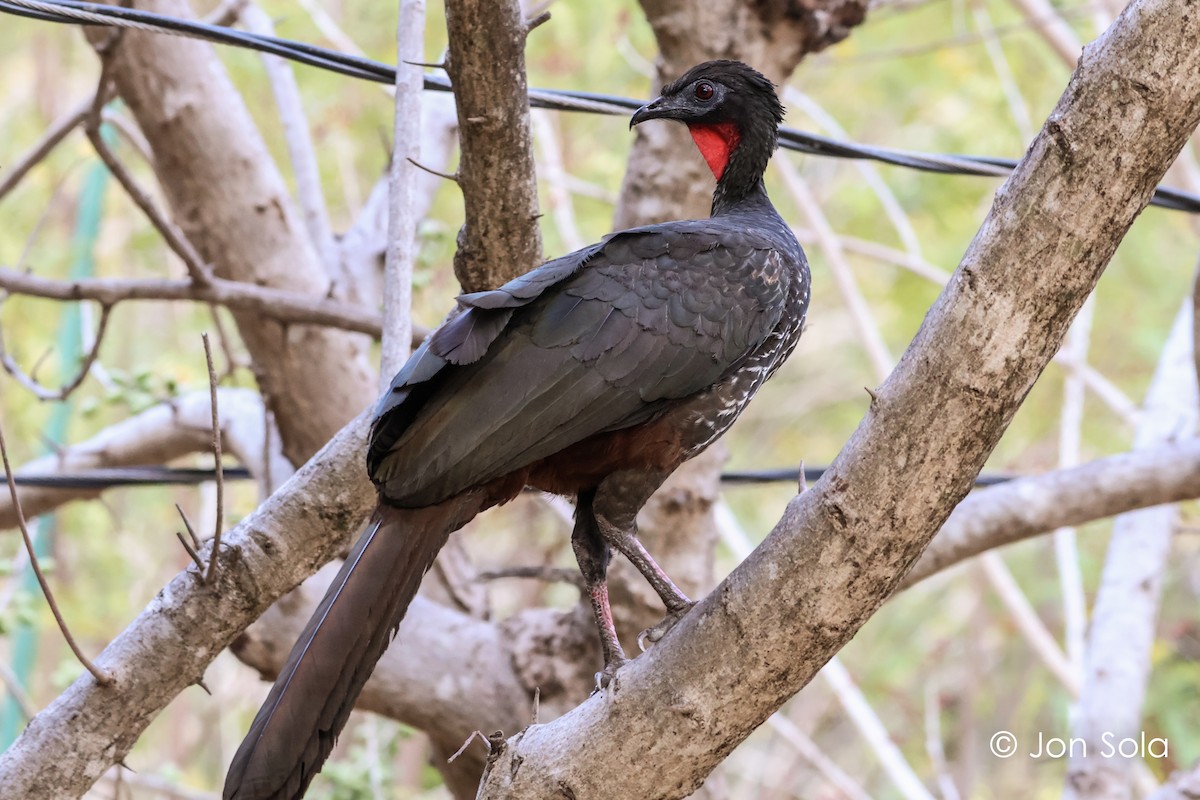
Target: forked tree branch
{"points": [[844, 545]]}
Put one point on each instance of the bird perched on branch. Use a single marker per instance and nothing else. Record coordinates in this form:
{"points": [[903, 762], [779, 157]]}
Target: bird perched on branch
{"points": [[594, 376]]}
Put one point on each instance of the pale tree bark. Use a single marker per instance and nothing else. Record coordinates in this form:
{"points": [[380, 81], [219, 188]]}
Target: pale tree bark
{"points": [[500, 238], [1027, 507], [158, 435], [403, 206], [844, 545], [230, 200], [1182, 786], [1117, 664], [88, 728]]}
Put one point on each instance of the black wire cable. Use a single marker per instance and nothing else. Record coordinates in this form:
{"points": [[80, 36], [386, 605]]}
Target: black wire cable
{"points": [[75, 12], [109, 477]]}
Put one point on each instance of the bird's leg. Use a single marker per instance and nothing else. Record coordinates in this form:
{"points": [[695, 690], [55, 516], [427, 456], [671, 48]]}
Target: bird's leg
{"points": [[616, 505], [593, 555], [678, 604]]}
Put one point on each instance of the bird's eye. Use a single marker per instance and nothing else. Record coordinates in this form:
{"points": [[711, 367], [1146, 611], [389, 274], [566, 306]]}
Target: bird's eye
{"points": [[704, 91]]}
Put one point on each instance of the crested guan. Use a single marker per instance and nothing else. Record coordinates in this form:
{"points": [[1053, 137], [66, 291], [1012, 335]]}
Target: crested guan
{"points": [[594, 375]]}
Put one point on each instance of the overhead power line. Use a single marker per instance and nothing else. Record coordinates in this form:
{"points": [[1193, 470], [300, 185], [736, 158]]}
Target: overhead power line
{"points": [[150, 475], [80, 13]]}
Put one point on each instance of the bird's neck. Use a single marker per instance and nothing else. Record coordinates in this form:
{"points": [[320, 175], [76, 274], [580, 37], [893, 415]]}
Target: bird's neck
{"points": [[737, 157]]}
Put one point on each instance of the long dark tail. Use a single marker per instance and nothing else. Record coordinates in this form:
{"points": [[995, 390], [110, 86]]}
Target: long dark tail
{"points": [[297, 725]]}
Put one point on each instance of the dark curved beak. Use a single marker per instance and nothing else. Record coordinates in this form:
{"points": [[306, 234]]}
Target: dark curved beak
{"points": [[655, 109]]}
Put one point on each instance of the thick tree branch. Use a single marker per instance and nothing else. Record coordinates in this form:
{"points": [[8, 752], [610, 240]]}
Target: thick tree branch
{"points": [[844, 545], [1024, 508], [500, 237], [71, 743]]}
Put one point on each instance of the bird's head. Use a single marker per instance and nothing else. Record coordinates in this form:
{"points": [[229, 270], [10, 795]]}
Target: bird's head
{"points": [[727, 106]]}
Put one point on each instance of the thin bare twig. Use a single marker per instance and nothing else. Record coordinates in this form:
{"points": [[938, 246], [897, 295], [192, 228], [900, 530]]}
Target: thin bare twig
{"points": [[437, 173], [880, 252], [191, 551], [13, 173], [41, 392], [467, 743], [1028, 622], [128, 130], [933, 743], [280, 305], [870, 174], [873, 730], [536, 21], [872, 340], [211, 574], [16, 690], [536, 572], [226, 341], [1069, 447], [102, 678], [808, 750], [554, 173], [400, 252], [192, 547], [198, 269]]}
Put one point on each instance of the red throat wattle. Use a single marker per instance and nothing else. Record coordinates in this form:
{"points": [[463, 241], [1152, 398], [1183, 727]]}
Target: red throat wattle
{"points": [[716, 143]]}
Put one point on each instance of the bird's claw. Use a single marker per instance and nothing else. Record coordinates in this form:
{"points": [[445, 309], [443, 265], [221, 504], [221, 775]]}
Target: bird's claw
{"points": [[607, 677], [654, 634]]}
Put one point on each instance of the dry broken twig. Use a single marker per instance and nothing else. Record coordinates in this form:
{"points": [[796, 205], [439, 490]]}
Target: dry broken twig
{"points": [[102, 678], [211, 574]]}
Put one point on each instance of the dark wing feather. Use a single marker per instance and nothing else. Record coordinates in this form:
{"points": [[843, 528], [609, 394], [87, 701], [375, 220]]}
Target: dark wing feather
{"points": [[641, 320], [462, 339]]}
